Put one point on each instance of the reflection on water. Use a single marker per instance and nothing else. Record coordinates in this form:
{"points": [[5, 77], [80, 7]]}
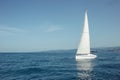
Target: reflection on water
{"points": [[84, 68]]}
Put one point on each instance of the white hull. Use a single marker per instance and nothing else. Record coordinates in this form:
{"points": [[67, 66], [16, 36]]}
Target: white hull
{"points": [[87, 56]]}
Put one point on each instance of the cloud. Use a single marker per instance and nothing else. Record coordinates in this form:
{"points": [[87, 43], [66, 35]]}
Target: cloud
{"points": [[10, 31], [53, 29]]}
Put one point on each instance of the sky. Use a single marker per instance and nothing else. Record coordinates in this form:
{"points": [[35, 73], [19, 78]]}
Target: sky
{"points": [[39, 25]]}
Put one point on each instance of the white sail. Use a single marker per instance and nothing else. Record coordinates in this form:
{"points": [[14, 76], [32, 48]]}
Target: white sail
{"points": [[84, 47], [83, 51]]}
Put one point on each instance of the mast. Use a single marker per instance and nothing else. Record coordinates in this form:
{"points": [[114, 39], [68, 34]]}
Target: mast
{"points": [[84, 46]]}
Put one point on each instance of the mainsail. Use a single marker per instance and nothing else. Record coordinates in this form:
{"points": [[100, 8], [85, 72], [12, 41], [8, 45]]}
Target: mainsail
{"points": [[84, 46]]}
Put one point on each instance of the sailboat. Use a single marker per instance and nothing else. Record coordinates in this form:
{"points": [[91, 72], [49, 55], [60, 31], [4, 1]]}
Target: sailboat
{"points": [[83, 51]]}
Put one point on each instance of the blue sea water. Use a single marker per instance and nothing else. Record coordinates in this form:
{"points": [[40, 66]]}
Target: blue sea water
{"points": [[59, 66]]}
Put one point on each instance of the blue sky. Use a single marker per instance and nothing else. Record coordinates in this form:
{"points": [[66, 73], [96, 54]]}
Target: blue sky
{"points": [[38, 25]]}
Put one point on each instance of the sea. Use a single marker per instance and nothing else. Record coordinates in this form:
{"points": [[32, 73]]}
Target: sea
{"points": [[59, 65]]}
